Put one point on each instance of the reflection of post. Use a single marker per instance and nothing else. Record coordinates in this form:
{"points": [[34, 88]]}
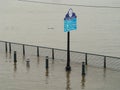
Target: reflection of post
{"points": [[83, 81], [28, 64], [68, 80], [47, 72], [38, 60], [47, 75], [23, 57], [104, 72], [14, 70], [15, 67], [10, 56], [6, 54]]}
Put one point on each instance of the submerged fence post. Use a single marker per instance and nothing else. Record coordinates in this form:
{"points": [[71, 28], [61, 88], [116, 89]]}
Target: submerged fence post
{"points": [[15, 57], [23, 50], [86, 58], [47, 62], [38, 51], [104, 61], [9, 47], [83, 69], [53, 54], [6, 47], [28, 63]]}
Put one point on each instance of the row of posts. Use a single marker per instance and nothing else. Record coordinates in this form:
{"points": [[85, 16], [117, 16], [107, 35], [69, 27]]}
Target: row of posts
{"points": [[86, 60], [6, 49], [47, 63], [27, 62], [83, 63]]}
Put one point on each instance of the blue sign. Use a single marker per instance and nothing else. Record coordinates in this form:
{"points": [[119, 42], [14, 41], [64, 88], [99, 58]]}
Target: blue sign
{"points": [[70, 21]]}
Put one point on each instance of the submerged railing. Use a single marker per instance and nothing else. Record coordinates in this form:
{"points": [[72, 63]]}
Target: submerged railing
{"points": [[90, 59]]}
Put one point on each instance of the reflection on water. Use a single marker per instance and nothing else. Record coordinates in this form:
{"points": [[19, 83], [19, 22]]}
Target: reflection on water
{"points": [[52, 61], [28, 64], [23, 57], [104, 72], [8, 56], [15, 67], [47, 75], [52, 65], [68, 80], [38, 60], [83, 81], [47, 72], [48, 79], [86, 17], [15, 70]]}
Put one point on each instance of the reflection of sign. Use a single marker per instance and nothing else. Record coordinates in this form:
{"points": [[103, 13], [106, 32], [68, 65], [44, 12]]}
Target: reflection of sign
{"points": [[70, 21]]}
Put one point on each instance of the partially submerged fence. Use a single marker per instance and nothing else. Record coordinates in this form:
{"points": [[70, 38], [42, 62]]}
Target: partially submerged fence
{"points": [[96, 60]]}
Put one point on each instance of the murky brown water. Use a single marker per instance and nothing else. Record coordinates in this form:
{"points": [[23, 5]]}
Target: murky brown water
{"points": [[34, 76]]}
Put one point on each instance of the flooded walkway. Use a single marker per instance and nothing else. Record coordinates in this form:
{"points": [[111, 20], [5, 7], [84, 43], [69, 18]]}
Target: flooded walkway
{"points": [[34, 76]]}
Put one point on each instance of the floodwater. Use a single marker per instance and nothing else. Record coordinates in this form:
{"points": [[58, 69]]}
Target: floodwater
{"points": [[34, 76], [42, 24]]}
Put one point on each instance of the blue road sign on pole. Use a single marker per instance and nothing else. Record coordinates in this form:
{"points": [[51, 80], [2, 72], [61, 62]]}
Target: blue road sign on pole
{"points": [[70, 21]]}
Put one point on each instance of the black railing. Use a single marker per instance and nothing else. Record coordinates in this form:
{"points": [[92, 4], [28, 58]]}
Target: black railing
{"points": [[90, 59]]}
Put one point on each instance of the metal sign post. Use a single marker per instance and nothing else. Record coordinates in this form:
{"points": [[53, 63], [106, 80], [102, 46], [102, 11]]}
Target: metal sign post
{"points": [[69, 25], [68, 67]]}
